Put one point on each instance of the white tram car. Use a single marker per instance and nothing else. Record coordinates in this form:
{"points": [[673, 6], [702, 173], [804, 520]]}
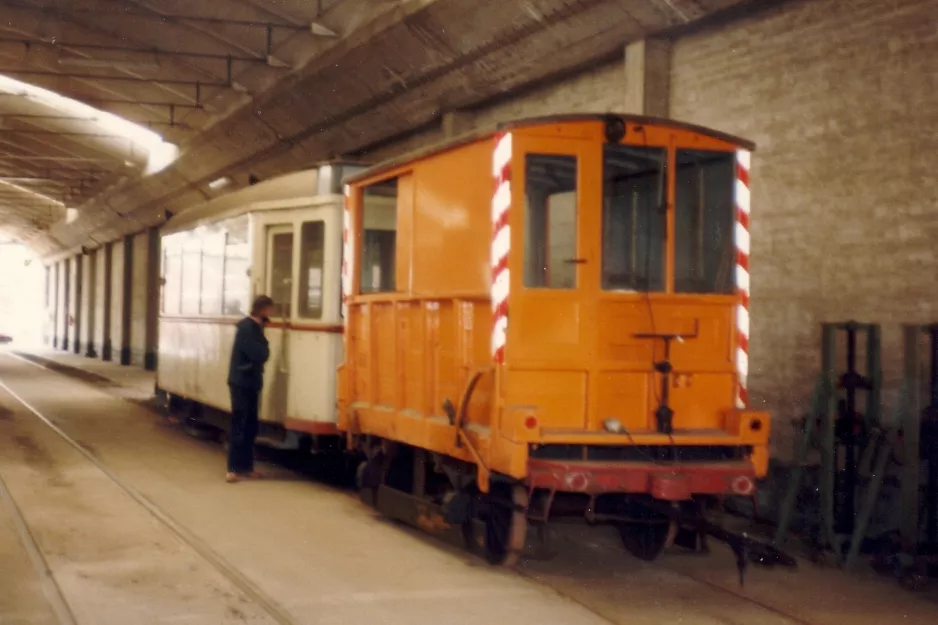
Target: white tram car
{"points": [[282, 237]]}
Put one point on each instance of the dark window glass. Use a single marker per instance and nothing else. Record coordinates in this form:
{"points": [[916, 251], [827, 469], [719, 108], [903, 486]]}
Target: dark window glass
{"points": [[281, 273], [312, 254], [634, 225], [704, 222], [379, 237], [550, 216]]}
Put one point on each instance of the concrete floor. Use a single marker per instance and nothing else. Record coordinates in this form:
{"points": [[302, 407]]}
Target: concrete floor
{"points": [[176, 544]]}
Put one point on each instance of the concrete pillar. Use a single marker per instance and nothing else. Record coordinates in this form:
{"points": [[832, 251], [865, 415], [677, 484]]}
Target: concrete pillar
{"points": [[151, 338], [97, 304], [64, 300], [120, 338], [123, 311], [107, 304], [88, 282], [55, 304], [648, 77], [139, 297], [75, 307]]}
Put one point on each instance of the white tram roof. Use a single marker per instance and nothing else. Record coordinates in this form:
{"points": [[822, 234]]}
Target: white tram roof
{"points": [[292, 190]]}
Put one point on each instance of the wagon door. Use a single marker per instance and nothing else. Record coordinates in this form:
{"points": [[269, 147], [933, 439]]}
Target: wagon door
{"points": [[315, 335], [278, 283], [554, 260]]}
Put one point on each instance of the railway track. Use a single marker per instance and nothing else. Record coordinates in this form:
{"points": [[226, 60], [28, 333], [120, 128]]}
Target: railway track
{"points": [[270, 606], [277, 612]]}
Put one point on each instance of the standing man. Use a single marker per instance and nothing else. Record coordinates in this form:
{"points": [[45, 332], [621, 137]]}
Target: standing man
{"points": [[246, 379]]}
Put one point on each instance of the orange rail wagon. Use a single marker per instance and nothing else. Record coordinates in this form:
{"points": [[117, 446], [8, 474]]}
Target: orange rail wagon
{"points": [[553, 319]]}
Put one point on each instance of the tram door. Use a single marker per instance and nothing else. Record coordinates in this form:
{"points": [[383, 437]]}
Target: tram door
{"points": [[556, 185], [279, 286]]}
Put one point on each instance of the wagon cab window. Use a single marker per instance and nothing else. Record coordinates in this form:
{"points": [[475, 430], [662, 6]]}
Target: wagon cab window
{"points": [[704, 222], [312, 253], [379, 237], [634, 218], [550, 221]]}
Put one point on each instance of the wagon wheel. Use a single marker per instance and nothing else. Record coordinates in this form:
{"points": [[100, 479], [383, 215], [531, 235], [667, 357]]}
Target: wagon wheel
{"points": [[544, 548], [369, 475], [505, 523], [648, 534]]}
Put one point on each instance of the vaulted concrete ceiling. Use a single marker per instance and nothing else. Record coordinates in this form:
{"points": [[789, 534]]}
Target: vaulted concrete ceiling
{"points": [[259, 87]]}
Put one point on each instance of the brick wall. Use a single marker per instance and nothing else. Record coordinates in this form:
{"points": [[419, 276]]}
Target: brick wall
{"points": [[840, 98]]}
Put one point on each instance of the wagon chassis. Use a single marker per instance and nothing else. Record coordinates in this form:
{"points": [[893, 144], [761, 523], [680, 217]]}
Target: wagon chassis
{"points": [[497, 521]]}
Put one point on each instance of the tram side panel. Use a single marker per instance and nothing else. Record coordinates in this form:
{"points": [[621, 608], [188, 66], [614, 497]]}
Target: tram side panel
{"points": [[419, 316], [206, 288]]}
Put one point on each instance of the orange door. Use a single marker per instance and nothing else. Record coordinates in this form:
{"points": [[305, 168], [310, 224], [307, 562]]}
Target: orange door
{"points": [[556, 189]]}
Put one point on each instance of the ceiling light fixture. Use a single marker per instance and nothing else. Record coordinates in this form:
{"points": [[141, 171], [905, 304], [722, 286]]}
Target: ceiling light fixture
{"points": [[219, 183]]}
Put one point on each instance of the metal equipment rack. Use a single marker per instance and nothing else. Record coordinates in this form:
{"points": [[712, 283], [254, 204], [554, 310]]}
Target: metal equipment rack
{"points": [[847, 441]]}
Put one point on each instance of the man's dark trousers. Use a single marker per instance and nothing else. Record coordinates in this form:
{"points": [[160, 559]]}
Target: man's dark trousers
{"points": [[244, 407]]}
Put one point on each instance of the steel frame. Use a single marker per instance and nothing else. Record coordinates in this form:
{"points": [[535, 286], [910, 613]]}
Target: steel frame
{"points": [[28, 43], [154, 16], [198, 84]]}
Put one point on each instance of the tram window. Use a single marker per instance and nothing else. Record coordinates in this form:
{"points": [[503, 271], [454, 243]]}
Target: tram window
{"points": [[704, 222], [379, 237], [237, 283], [280, 270], [213, 268], [172, 274], [312, 254], [550, 221], [634, 218], [191, 273]]}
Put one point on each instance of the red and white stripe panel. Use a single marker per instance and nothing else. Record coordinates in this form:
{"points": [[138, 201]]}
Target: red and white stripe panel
{"points": [[743, 158], [346, 253], [501, 244]]}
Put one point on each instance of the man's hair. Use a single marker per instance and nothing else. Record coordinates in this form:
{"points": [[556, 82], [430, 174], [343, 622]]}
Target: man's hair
{"points": [[260, 303]]}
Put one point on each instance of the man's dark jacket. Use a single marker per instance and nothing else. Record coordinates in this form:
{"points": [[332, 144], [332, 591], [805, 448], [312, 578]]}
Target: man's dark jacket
{"points": [[248, 355]]}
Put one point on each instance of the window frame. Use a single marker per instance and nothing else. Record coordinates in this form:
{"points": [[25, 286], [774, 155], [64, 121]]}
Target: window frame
{"points": [[728, 261], [247, 260], [301, 297], [272, 230], [190, 236], [362, 245], [664, 182], [526, 225]]}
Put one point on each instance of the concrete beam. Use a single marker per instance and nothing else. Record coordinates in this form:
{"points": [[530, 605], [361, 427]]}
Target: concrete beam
{"points": [[454, 124], [648, 77]]}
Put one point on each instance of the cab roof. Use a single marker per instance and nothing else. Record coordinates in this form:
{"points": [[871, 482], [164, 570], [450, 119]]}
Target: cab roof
{"points": [[474, 136]]}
